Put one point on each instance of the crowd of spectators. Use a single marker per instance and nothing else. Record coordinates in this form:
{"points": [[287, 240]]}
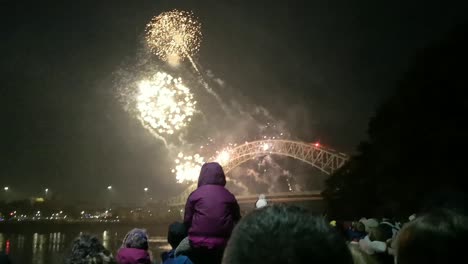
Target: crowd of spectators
{"points": [[213, 232]]}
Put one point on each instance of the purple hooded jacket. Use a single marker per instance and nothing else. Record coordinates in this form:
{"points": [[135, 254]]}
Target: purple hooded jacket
{"points": [[211, 210], [133, 256]]}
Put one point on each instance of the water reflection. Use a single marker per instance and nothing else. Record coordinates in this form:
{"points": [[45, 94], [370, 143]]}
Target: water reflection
{"points": [[105, 239], [2, 241], [51, 248], [20, 241], [39, 241], [56, 242]]}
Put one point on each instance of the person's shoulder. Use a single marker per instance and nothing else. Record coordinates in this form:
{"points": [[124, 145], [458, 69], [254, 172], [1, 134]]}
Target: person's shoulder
{"points": [[231, 195]]}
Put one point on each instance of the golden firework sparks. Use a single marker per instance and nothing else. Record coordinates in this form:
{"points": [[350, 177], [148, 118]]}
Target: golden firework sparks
{"points": [[174, 35], [188, 168], [164, 103]]}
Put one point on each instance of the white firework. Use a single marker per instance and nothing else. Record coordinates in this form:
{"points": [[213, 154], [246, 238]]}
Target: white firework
{"points": [[188, 168], [164, 103]]}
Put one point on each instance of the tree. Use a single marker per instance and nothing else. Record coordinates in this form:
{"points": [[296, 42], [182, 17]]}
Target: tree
{"points": [[417, 140]]}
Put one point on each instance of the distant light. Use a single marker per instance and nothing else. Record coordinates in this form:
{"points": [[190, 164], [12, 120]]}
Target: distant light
{"points": [[107, 211], [46, 190], [109, 187], [6, 188], [146, 189], [38, 212], [82, 212], [61, 211], [317, 144]]}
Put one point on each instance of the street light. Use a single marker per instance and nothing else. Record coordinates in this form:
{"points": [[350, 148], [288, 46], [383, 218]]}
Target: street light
{"points": [[109, 196], [6, 188], [146, 189], [46, 191]]}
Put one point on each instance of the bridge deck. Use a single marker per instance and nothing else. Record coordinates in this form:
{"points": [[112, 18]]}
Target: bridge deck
{"points": [[278, 197]]}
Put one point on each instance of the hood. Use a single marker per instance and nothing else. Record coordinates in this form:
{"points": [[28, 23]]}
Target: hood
{"points": [[133, 256], [211, 173]]}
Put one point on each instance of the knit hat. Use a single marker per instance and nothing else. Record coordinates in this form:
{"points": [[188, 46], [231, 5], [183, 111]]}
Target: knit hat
{"points": [[136, 238], [261, 202]]}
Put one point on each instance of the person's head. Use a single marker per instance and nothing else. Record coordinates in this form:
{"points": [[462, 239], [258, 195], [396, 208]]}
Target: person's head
{"points": [[177, 232], [136, 238], [4, 259], [285, 234], [369, 223], [380, 233], [360, 257], [360, 227], [261, 202], [436, 237], [211, 173], [87, 249]]}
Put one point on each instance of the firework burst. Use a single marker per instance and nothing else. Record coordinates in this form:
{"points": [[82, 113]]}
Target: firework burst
{"points": [[187, 168], [174, 35], [164, 103]]}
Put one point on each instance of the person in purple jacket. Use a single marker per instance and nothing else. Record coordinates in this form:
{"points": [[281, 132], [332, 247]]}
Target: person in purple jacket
{"points": [[211, 213], [134, 248]]}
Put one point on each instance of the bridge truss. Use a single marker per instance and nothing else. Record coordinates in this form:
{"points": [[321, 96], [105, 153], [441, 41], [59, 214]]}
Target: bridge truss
{"points": [[324, 159]]}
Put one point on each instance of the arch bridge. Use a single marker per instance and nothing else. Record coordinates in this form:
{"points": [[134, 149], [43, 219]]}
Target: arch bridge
{"points": [[325, 159]]}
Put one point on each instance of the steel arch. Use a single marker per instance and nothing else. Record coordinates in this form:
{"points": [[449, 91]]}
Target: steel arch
{"points": [[324, 159]]}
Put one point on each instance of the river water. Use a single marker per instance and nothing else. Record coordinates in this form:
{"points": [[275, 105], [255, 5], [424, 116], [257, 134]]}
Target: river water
{"points": [[45, 246]]}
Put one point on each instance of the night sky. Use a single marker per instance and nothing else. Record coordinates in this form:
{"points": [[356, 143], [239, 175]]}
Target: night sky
{"points": [[321, 67]]}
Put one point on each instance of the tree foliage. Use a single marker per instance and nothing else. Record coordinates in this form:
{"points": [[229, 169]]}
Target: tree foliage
{"points": [[417, 142]]}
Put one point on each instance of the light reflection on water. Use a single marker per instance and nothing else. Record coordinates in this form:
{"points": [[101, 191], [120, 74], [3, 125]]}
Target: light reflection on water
{"points": [[50, 248]]}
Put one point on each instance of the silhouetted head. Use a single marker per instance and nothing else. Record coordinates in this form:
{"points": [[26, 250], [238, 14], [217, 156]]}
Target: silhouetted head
{"points": [[211, 173], [436, 237], [4, 259], [285, 234], [360, 257], [87, 249], [177, 232]]}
